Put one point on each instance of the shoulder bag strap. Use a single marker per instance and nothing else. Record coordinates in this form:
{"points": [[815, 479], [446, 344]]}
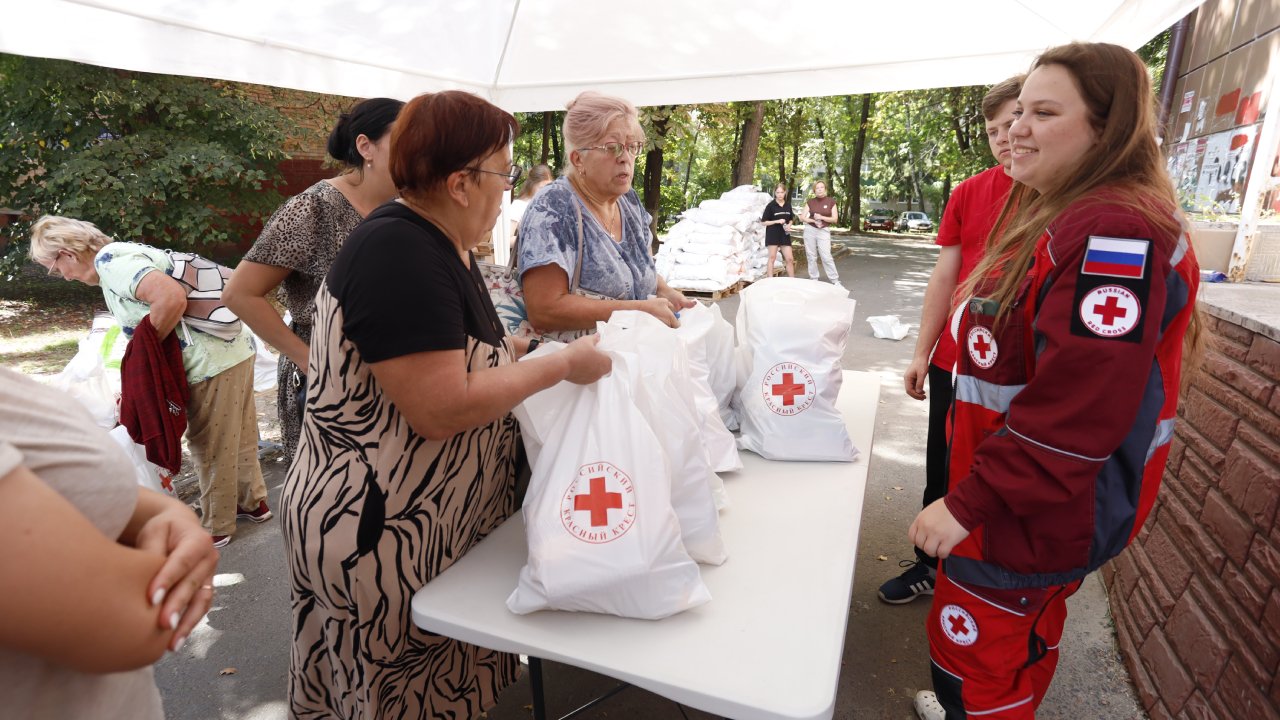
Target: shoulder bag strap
{"points": [[577, 268]]}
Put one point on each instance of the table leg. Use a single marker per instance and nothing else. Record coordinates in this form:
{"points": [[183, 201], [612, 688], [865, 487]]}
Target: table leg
{"points": [[535, 681]]}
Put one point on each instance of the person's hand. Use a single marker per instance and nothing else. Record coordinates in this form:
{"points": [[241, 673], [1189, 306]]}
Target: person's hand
{"points": [[913, 379], [184, 586], [660, 308], [678, 300], [936, 531], [586, 363]]}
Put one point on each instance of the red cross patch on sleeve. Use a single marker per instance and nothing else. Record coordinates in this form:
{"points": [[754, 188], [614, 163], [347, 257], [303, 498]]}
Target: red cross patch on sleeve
{"points": [[1113, 281]]}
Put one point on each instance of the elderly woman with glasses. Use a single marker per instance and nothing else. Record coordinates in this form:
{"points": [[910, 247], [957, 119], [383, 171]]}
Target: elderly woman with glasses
{"points": [[409, 451], [593, 207]]}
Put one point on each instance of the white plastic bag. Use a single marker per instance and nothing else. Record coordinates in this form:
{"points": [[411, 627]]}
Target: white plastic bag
{"points": [[648, 353], [701, 330], [86, 379], [601, 531], [148, 474], [265, 366], [888, 327], [793, 335]]}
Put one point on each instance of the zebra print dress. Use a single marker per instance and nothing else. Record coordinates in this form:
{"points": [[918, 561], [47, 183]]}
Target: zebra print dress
{"points": [[372, 511]]}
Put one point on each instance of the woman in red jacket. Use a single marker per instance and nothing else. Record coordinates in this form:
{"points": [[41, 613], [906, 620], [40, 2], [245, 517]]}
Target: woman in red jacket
{"points": [[1071, 341]]}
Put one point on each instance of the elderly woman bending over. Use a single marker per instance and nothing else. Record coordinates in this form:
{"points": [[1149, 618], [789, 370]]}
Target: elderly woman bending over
{"points": [[594, 198]]}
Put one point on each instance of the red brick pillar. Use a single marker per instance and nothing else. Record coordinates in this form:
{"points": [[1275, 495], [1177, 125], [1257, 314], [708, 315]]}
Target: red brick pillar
{"points": [[1195, 603]]}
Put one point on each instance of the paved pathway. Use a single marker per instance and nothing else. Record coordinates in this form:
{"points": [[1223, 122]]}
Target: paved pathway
{"points": [[886, 655]]}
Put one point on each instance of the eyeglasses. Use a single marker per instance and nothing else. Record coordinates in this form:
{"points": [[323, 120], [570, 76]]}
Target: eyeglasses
{"points": [[53, 266], [512, 175], [616, 149]]}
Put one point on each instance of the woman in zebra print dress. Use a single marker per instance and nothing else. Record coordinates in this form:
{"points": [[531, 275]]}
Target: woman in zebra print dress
{"points": [[408, 449]]}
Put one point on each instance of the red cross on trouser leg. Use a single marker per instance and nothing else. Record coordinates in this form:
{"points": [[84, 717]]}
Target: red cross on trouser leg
{"points": [[1110, 311], [598, 501], [788, 389], [989, 678]]}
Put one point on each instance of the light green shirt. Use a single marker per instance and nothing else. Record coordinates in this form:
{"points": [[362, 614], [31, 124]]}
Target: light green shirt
{"points": [[121, 266]]}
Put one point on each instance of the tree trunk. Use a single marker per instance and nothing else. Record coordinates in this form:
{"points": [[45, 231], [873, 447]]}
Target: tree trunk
{"points": [[555, 146], [688, 168], [946, 194], [854, 176], [745, 165], [653, 174], [546, 136]]}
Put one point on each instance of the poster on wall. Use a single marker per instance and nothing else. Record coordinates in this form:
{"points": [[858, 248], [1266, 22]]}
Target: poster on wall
{"points": [[1184, 173], [1225, 169]]}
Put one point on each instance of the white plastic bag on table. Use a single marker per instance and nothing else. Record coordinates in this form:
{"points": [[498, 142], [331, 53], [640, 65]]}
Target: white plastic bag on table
{"points": [[704, 347], [601, 532], [148, 474], [793, 335], [720, 362], [888, 327], [539, 414], [649, 354]]}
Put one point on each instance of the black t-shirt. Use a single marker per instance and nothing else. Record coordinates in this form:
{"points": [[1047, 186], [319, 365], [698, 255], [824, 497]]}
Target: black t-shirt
{"points": [[776, 234], [403, 289]]}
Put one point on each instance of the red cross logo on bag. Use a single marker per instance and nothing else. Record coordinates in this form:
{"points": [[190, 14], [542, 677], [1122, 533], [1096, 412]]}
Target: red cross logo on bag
{"points": [[788, 389], [959, 625], [599, 506]]}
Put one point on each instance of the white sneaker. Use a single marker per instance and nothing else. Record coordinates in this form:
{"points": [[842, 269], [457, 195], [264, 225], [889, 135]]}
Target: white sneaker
{"points": [[837, 284], [928, 707]]}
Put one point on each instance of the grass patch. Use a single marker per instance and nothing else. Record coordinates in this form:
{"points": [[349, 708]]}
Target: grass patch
{"points": [[42, 320]]}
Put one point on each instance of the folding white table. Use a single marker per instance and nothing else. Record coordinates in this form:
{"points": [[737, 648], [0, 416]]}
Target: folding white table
{"points": [[767, 646]]}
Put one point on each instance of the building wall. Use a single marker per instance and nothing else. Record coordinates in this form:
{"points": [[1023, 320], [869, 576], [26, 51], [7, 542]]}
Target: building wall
{"points": [[1194, 598], [1220, 100]]}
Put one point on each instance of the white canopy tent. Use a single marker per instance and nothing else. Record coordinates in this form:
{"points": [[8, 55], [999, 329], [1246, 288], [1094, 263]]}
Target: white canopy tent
{"points": [[531, 55]]}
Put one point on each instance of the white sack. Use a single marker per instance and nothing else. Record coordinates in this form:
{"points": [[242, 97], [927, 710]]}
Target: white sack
{"points": [[86, 379], [793, 335], [146, 473], [266, 366], [601, 531], [705, 351], [888, 327], [648, 352], [539, 414]]}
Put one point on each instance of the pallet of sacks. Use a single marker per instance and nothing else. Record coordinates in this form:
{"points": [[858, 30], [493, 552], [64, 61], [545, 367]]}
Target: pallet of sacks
{"points": [[717, 243]]}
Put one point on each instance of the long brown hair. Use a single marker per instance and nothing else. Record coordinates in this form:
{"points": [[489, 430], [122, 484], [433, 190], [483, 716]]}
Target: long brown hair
{"points": [[1125, 160]]}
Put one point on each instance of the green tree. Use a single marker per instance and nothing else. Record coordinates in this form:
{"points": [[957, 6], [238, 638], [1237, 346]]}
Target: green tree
{"points": [[179, 162]]}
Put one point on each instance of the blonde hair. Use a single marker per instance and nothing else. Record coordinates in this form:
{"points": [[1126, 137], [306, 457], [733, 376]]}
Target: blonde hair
{"points": [[588, 119], [52, 234]]}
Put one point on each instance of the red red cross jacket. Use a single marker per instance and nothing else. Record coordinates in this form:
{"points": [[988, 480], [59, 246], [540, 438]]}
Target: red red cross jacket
{"points": [[1062, 418]]}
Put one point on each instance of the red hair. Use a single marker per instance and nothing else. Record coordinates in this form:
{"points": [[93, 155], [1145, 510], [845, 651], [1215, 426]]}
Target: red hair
{"points": [[438, 134]]}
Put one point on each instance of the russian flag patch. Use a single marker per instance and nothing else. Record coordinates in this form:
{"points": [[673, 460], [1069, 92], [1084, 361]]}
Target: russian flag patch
{"points": [[1116, 257]]}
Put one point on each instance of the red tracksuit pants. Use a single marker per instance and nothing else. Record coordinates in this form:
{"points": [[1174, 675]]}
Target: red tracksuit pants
{"points": [[994, 653]]}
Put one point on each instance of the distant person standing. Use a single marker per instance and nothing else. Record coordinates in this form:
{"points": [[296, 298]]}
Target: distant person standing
{"points": [[971, 213], [539, 177], [820, 213], [777, 218]]}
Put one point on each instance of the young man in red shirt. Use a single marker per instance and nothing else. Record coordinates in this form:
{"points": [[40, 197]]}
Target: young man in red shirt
{"points": [[967, 221]]}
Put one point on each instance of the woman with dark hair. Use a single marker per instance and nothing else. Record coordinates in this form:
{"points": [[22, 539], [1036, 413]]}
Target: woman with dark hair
{"points": [[299, 242], [1071, 337], [408, 453], [777, 218]]}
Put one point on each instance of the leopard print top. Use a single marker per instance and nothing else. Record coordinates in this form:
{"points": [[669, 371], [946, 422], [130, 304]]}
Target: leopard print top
{"points": [[304, 235]]}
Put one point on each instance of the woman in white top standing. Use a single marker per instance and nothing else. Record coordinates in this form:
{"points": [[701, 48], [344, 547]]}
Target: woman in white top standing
{"points": [[539, 177]]}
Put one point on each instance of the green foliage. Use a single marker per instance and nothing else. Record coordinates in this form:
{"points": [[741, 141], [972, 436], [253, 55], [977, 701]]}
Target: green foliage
{"points": [[175, 161]]}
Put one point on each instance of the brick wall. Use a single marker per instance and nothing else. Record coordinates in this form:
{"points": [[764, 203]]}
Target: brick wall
{"points": [[1194, 598]]}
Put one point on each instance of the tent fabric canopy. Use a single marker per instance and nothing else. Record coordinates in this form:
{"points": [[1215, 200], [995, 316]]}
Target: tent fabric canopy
{"points": [[533, 55]]}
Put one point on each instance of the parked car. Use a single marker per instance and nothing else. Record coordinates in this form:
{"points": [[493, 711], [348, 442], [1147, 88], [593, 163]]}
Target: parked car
{"points": [[878, 220], [914, 222]]}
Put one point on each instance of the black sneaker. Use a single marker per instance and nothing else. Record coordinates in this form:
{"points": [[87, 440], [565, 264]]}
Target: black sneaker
{"points": [[916, 581]]}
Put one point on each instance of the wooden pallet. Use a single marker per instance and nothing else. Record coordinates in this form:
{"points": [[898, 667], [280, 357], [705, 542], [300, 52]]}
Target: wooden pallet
{"points": [[720, 294]]}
